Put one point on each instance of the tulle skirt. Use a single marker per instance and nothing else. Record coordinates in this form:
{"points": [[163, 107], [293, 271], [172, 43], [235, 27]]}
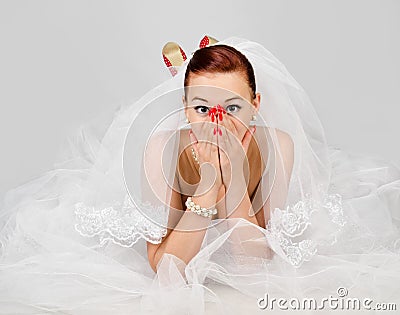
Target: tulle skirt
{"points": [[46, 266]]}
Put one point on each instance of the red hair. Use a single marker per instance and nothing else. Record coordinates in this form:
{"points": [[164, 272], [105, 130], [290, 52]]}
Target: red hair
{"points": [[220, 58]]}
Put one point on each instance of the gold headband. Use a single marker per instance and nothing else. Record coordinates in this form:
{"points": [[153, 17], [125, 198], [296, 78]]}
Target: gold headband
{"points": [[174, 56]]}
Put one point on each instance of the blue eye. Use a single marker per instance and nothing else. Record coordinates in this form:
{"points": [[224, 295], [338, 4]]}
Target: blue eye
{"points": [[233, 106], [201, 107]]}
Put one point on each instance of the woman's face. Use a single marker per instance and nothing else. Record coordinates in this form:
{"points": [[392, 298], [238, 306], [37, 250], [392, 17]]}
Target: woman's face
{"points": [[229, 90]]}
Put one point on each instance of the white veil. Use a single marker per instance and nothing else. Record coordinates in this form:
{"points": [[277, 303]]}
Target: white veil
{"points": [[120, 198], [308, 217]]}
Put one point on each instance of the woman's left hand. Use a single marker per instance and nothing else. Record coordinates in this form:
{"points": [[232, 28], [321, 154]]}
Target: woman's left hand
{"points": [[232, 151]]}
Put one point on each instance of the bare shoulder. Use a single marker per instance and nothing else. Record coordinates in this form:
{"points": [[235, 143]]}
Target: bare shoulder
{"points": [[285, 140], [285, 153]]}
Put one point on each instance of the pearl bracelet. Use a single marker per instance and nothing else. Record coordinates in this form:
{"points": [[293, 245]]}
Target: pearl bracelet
{"points": [[198, 210]]}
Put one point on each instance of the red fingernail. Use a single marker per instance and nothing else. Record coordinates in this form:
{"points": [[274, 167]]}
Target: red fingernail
{"points": [[214, 131]]}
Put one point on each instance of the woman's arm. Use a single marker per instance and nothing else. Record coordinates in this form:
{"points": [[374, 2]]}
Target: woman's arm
{"points": [[238, 201], [237, 198], [245, 240], [184, 241], [248, 240]]}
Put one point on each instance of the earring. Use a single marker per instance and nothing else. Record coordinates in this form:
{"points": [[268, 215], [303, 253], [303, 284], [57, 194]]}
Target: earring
{"points": [[186, 120], [254, 117]]}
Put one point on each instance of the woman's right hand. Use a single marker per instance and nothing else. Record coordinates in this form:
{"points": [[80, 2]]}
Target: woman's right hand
{"points": [[206, 151]]}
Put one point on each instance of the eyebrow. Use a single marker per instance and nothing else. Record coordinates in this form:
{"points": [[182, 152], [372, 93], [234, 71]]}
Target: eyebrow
{"points": [[227, 100]]}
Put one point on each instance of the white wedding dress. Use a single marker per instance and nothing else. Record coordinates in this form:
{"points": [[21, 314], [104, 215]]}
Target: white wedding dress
{"points": [[73, 240]]}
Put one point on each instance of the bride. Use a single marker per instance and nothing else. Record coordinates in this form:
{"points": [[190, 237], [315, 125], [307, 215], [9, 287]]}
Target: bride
{"points": [[228, 81], [216, 192]]}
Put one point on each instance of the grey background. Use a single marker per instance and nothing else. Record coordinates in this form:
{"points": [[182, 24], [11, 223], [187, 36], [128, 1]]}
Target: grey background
{"points": [[64, 62]]}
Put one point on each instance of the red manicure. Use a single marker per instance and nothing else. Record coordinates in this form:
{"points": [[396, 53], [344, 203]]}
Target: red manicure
{"points": [[219, 131], [221, 111], [216, 111], [211, 113]]}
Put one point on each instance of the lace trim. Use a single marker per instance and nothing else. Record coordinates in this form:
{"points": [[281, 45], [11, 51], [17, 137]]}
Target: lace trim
{"points": [[284, 225], [122, 224], [125, 225]]}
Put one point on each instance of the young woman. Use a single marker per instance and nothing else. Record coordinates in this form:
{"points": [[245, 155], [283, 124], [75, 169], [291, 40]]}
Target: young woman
{"points": [[220, 101]]}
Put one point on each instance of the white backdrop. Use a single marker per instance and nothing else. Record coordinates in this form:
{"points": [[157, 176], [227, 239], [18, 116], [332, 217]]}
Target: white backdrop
{"points": [[64, 62]]}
